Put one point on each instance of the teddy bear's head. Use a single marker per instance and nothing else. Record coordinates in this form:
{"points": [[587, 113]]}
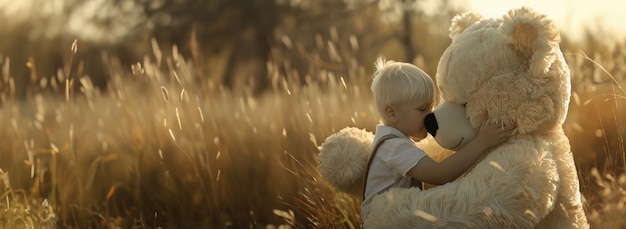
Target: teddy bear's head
{"points": [[455, 130], [508, 70]]}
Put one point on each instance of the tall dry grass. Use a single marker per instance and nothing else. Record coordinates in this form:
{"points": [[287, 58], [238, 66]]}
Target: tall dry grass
{"points": [[163, 147], [596, 128]]}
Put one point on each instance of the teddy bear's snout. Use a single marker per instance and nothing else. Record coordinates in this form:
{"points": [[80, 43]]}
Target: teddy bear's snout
{"points": [[430, 122]]}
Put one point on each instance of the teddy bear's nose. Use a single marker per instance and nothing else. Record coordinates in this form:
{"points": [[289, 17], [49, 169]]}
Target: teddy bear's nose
{"points": [[430, 122]]}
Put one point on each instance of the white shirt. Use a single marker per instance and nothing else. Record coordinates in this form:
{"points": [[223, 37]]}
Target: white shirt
{"points": [[395, 157]]}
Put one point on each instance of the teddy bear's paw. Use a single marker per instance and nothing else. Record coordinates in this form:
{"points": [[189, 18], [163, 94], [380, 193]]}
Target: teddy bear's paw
{"points": [[343, 157]]}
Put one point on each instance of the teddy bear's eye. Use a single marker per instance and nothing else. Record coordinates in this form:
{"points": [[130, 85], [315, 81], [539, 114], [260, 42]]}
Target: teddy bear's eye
{"points": [[464, 104]]}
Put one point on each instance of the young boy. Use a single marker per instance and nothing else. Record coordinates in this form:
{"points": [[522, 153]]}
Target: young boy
{"points": [[404, 95]]}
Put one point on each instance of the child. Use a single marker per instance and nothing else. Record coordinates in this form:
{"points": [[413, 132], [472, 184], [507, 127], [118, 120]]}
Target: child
{"points": [[404, 95]]}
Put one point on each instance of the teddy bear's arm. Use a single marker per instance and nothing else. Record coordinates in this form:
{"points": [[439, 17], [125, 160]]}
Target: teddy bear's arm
{"points": [[514, 187]]}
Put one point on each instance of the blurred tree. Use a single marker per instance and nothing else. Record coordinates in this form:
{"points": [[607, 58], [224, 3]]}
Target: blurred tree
{"points": [[232, 42], [245, 32], [37, 38]]}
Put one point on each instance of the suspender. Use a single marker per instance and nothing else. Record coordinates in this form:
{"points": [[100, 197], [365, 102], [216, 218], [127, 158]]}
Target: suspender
{"points": [[414, 182]]}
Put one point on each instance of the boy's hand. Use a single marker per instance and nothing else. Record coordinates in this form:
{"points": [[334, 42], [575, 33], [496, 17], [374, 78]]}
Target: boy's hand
{"points": [[493, 134]]}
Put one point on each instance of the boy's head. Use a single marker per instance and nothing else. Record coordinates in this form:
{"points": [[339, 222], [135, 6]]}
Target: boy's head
{"points": [[396, 84]]}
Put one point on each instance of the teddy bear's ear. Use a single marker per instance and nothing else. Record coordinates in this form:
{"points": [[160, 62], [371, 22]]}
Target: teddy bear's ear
{"points": [[460, 22], [533, 35]]}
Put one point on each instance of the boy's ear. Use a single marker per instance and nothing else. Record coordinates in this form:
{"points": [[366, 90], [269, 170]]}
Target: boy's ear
{"points": [[389, 111]]}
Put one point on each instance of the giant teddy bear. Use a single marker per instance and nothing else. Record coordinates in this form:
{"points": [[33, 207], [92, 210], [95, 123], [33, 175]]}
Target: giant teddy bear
{"points": [[508, 70]]}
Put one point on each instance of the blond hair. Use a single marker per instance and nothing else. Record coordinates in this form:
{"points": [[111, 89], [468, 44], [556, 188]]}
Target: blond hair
{"points": [[396, 83]]}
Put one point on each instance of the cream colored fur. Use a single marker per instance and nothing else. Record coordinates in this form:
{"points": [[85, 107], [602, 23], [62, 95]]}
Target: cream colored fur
{"points": [[508, 70], [343, 157]]}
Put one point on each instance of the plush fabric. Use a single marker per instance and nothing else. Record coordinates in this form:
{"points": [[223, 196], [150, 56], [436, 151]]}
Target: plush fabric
{"points": [[343, 157], [507, 70]]}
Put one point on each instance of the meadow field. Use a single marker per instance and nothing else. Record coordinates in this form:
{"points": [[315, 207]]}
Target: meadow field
{"points": [[164, 148]]}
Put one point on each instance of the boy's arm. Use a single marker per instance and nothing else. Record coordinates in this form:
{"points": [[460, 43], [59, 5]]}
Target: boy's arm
{"points": [[438, 173]]}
